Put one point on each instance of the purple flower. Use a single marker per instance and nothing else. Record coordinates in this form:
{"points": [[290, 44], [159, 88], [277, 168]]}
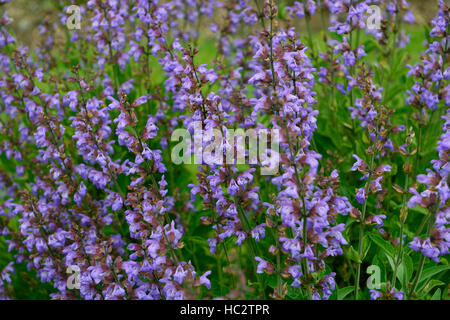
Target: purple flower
{"points": [[263, 266], [233, 188], [258, 232], [180, 274], [361, 195], [349, 58], [374, 294], [205, 281], [358, 164]]}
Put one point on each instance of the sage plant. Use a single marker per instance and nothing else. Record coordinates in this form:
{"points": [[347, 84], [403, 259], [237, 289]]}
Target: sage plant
{"points": [[225, 150]]}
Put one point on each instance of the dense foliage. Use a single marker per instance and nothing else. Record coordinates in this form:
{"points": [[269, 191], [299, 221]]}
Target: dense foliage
{"points": [[93, 205]]}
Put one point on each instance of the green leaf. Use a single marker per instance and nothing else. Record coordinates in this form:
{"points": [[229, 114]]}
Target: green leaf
{"points": [[271, 281], [420, 210], [404, 270], [445, 294], [429, 286], [431, 271], [377, 262], [352, 254], [294, 293], [437, 295], [372, 43], [394, 169], [383, 244], [366, 246], [409, 265], [281, 11], [400, 269], [342, 293]]}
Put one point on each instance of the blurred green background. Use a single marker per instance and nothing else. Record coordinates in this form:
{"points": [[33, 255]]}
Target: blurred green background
{"points": [[28, 14]]}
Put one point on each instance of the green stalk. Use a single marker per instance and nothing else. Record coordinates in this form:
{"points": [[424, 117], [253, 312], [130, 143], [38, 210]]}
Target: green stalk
{"points": [[422, 225], [419, 143], [224, 248], [363, 216], [422, 259], [278, 257], [219, 267], [403, 216], [304, 260], [361, 228], [252, 244], [419, 273]]}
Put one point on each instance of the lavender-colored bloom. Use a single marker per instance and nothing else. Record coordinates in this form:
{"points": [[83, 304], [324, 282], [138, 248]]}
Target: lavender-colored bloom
{"points": [[205, 281], [258, 232], [349, 58], [374, 294], [361, 195], [263, 266]]}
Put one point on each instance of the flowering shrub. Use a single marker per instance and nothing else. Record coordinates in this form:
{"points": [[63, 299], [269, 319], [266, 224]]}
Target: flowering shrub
{"points": [[99, 200]]}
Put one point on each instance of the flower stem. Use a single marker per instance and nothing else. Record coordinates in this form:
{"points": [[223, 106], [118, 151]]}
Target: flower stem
{"points": [[403, 215], [252, 244], [422, 258], [278, 258], [419, 273], [361, 227]]}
